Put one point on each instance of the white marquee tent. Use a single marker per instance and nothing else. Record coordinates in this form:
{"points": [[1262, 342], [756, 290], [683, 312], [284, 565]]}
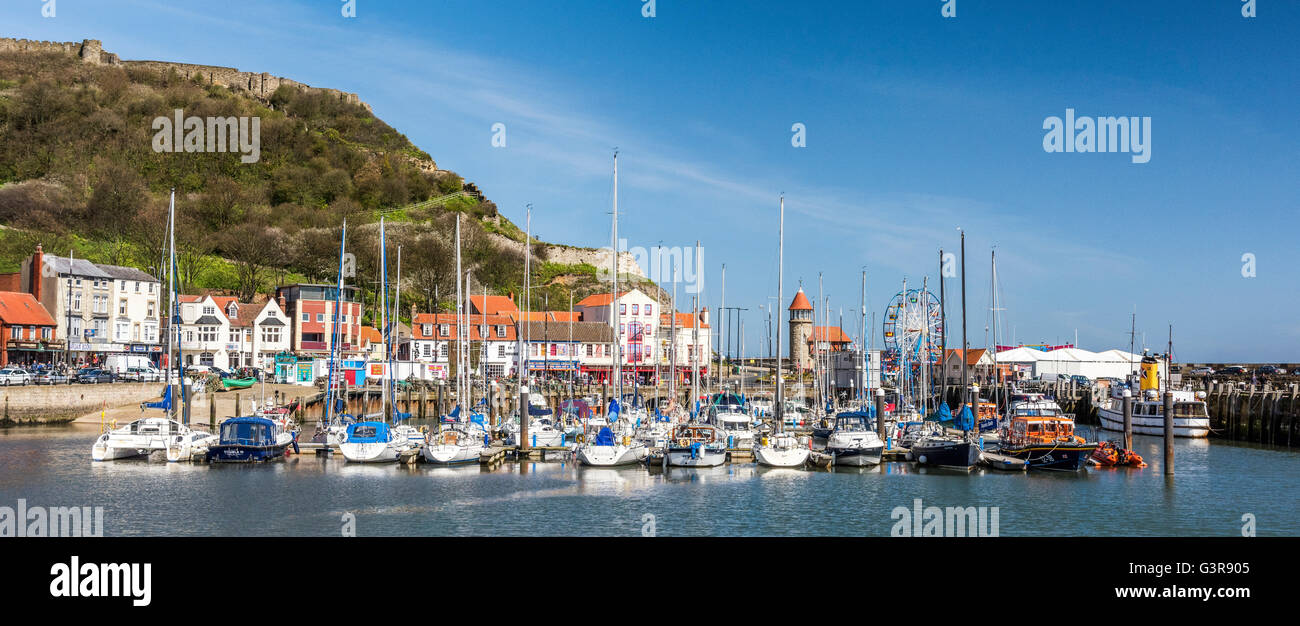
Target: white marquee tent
{"points": [[1071, 361]]}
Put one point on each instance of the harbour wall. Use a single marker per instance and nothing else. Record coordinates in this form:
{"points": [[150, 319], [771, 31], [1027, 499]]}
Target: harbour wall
{"points": [[1265, 413], [59, 404]]}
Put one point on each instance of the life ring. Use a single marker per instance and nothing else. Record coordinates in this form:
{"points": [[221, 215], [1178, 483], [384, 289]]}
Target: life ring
{"points": [[683, 442]]}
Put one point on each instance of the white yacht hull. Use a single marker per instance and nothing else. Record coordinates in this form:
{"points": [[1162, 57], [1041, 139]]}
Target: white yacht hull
{"points": [[376, 452], [780, 457], [857, 457], [705, 458], [451, 453], [189, 445], [610, 456], [1191, 427], [102, 451]]}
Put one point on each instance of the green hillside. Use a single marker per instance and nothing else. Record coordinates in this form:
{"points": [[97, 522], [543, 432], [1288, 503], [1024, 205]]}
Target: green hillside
{"points": [[78, 171]]}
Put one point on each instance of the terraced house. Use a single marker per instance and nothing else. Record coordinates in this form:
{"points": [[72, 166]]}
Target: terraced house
{"points": [[101, 309], [220, 331]]}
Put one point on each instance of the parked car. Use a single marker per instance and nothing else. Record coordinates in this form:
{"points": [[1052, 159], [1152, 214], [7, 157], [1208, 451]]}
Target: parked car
{"points": [[15, 376], [142, 375], [94, 376], [1079, 379], [1202, 371], [51, 377], [1270, 370]]}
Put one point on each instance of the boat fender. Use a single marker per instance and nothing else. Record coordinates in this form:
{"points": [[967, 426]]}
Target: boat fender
{"points": [[922, 459], [424, 429]]}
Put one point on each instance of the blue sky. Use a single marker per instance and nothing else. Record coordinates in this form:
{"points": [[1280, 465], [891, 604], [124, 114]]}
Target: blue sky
{"points": [[916, 125]]}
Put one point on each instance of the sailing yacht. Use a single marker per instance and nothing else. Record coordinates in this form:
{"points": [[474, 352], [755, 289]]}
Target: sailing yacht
{"points": [[460, 437], [146, 435], [605, 448], [729, 413], [781, 449]]}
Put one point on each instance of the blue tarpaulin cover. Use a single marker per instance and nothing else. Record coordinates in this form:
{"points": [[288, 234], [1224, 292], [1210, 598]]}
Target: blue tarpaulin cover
{"points": [[605, 437], [368, 432], [965, 419]]}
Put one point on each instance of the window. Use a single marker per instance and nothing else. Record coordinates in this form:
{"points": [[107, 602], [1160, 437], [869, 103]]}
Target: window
{"points": [[320, 317], [124, 285], [45, 333], [306, 317], [588, 349], [444, 352], [121, 331], [137, 286], [76, 302], [634, 309], [501, 352], [234, 335], [501, 330], [622, 309], [428, 350], [209, 310], [75, 329], [121, 306], [647, 309], [207, 333], [444, 330], [150, 309], [271, 334], [189, 336], [16, 332], [150, 333]]}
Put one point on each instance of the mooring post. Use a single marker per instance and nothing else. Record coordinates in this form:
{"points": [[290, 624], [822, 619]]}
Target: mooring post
{"points": [[880, 414], [212, 412], [1128, 419], [236, 405], [523, 415], [1169, 433]]}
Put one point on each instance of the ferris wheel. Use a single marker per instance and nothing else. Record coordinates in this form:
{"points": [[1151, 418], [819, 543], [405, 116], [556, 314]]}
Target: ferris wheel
{"points": [[913, 328]]}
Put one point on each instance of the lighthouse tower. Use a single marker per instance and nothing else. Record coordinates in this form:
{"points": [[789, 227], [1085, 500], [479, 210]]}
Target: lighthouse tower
{"points": [[801, 327]]}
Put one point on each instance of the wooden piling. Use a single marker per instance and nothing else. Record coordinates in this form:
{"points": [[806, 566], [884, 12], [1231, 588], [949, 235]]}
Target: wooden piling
{"points": [[1169, 433], [880, 414], [1128, 419]]}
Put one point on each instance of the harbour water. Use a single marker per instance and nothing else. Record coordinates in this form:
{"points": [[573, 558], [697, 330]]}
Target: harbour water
{"points": [[1215, 484]]}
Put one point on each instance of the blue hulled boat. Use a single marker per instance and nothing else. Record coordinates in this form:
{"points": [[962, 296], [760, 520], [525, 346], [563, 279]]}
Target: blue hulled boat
{"points": [[251, 440]]}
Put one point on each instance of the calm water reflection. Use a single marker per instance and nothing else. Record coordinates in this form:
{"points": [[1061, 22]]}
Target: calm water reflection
{"points": [[1215, 484]]}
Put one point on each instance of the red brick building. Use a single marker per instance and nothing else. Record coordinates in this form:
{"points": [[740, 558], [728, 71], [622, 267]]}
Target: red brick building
{"points": [[28, 330]]}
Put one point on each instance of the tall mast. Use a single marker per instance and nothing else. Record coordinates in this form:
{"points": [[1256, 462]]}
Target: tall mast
{"points": [[173, 313], [965, 347], [460, 371], [528, 302], [722, 328], [780, 299], [997, 382], [613, 303], [334, 329], [943, 336], [862, 346]]}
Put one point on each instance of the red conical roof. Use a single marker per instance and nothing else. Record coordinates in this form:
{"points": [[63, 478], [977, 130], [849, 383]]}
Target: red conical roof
{"points": [[801, 302]]}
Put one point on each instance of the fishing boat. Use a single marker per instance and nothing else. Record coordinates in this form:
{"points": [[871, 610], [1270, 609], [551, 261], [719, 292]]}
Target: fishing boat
{"points": [[1044, 438], [250, 440], [853, 442], [697, 445], [238, 383], [373, 442], [144, 436]]}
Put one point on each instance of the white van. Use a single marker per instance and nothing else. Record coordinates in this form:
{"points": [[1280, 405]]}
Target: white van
{"points": [[119, 363]]}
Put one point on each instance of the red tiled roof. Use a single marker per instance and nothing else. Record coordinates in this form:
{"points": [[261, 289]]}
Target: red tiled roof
{"points": [[832, 334], [21, 309], [182, 298], [800, 302], [683, 321], [972, 359], [492, 305], [545, 316], [600, 299], [369, 335]]}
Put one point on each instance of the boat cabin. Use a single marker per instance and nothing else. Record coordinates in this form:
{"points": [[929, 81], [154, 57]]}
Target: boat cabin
{"points": [[692, 433], [1040, 429], [855, 421], [249, 431], [368, 432]]}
